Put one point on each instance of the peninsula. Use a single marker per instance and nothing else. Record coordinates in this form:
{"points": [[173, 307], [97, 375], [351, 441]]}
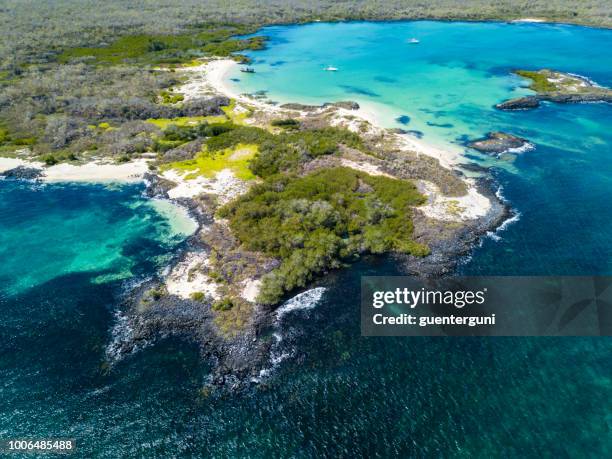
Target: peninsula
{"points": [[282, 195]]}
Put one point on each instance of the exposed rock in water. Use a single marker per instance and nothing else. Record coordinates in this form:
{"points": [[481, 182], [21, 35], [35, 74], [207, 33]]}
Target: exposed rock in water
{"points": [[520, 103], [300, 107], [448, 242], [346, 104], [577, 98], [558, 87], [23, 173], [498, 142]]}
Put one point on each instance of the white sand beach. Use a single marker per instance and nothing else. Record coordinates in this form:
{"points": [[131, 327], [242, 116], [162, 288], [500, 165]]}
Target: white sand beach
{"points": [[11, 163], [95, 171], [211, 77], [535, 20]]}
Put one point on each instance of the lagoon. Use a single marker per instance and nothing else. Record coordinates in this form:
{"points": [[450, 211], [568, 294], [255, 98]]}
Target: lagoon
{"points": [[445, 89]]}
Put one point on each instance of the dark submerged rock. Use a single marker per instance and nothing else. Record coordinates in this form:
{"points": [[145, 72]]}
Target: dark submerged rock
{"points": [[403, 119]]}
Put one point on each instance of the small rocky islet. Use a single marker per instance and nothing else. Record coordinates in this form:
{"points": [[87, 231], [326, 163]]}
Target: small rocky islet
{"points": [[495, 143], [558, 87]]}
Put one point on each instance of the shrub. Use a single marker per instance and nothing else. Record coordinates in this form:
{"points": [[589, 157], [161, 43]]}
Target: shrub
{"points": [[321, 221], [286, 123], [50, 160], [224, 304], [197, 296]]}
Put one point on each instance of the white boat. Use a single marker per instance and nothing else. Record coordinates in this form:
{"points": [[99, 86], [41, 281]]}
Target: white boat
{"points": [[413, 41], [329, 68]]}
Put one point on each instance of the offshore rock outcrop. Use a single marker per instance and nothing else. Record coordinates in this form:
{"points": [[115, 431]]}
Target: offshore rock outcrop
{"points": [[499, 142], [520, 103], [558, 87], [345, 104]]}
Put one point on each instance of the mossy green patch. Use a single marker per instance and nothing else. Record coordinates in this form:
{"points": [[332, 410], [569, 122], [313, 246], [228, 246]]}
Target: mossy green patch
{"points": [[235, 116], [169, 97], [208, 164], [229, 114], [539, 81], [164, 123]]}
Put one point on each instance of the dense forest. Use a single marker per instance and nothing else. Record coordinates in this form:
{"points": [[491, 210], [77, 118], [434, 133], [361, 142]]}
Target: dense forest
{"points": [[69, 69], [32, 30]]}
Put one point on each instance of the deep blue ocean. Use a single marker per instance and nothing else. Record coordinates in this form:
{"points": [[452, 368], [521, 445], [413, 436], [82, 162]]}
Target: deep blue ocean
{"points": [[68, 251]]}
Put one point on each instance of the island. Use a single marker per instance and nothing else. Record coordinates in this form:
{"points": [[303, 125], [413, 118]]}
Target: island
{"points": [[499, 142], [559, 87], [282, 194]]}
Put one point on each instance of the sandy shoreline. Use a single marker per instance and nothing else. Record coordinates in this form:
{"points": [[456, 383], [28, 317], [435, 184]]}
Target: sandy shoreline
{"points": [[471, 206], [535, 20], [95, 172], [217, 70], [209, 79]]}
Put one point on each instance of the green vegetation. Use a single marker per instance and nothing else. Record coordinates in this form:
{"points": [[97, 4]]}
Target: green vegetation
{"points": [[208, 164], [224, 304], [197, 296], [186, 121], [283, 152], [552, 84], [539, 81], [288, 123], [311, 223], [171, 98], [322, 220], [207, 39], [65, 24]]}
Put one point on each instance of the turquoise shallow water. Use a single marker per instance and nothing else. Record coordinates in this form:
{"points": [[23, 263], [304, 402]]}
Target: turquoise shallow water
{"points": [[337, 394], [445, 88]]}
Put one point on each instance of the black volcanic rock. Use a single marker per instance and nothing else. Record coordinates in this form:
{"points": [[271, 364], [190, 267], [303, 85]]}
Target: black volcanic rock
{"points": [[300, 107], [23, 173], [498, 142], [521, 103], [346, 104]]}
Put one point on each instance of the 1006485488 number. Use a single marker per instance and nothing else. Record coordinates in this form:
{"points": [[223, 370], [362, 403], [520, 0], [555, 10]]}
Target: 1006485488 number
{"points": [[51, 445]]}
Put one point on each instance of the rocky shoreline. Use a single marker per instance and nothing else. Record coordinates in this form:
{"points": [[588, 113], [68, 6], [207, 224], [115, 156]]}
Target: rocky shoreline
{"points": [[238, 360], [186, 300], [557, 87], [496, 143]]}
